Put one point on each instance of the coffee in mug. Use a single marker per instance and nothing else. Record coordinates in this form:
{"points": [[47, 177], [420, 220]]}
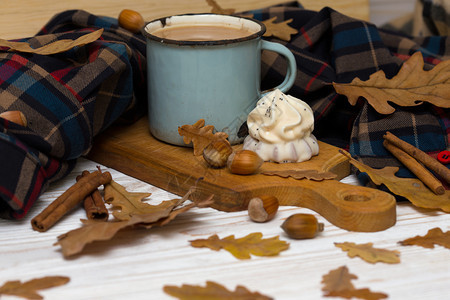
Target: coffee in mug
{"points": [[206, 66], [201, 33]]}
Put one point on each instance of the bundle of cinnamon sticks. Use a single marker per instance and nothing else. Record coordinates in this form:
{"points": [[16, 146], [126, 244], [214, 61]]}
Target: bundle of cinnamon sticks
{"points": [[418, 162], [84, 190]]}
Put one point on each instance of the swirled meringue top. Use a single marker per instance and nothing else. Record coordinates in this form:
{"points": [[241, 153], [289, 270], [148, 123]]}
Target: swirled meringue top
{"points": [[278, 125], [280, 118]]}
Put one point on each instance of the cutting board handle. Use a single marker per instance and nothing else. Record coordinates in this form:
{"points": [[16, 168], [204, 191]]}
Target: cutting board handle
{"points": [[350, 207], [355, 208]]}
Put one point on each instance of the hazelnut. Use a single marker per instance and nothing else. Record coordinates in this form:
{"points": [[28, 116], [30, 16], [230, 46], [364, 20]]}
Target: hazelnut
{"points": [[131, 20], [14, 116], [217, 152], [244, 162], [263, 209], [302, 226]]}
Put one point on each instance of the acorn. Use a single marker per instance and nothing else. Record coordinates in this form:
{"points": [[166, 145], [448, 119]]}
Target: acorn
{"points": [[131, 20], [262, 209], [217, 152], [15, 116], [302, 226], [244, 162]]}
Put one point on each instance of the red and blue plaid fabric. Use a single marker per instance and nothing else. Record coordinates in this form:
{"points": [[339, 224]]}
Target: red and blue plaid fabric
{"points": [[331, 47], [67, 98]]}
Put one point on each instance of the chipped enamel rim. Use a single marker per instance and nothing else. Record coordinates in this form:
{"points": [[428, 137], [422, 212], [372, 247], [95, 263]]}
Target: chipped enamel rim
{"points": [[204, 19]]}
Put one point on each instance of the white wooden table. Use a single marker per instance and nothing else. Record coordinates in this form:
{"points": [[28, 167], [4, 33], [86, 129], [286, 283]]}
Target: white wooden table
{"points": [[138, 263]]}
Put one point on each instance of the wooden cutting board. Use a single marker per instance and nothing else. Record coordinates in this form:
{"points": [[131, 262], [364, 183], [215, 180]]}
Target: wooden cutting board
{"points": [[133, 150]]}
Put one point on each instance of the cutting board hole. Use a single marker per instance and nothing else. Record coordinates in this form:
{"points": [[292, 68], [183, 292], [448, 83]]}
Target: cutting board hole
{"points": [[355, 196]]}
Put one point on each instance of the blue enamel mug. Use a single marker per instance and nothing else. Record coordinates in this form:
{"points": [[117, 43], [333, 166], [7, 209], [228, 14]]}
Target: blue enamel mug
{"points": [[197, 69]]}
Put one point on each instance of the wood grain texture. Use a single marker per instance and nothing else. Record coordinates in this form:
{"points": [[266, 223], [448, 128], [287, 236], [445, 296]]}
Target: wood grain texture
{"points": [[133, 151], [138, 263], [23, 18]]}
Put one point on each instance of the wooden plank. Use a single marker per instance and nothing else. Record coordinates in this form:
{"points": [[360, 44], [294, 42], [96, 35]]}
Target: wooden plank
{"points": [[137, 263], [20, 19], [133, 151]]}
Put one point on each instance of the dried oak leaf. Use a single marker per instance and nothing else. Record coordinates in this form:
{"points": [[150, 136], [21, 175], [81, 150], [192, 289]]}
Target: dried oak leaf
{"points": [[369, 253], [29, 288], [411, 188], [242, 248], [337, 283], [410, 87], [217, 9], [357, 293], [212, 290], [280, 30], [74, 241], [126, 203], [434, 236], [53, 47], [301, 174], [201, 204], [200, 135], [339, 279]]}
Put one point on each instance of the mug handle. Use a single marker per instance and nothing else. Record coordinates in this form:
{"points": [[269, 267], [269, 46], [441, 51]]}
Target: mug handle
{"points": [[291, 73]]}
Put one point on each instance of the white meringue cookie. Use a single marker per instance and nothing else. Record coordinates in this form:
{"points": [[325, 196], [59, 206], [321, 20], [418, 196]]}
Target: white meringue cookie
{"points": [[280, 129]]}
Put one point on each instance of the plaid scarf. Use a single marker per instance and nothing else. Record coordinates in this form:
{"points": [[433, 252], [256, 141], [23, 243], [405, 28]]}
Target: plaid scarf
{"points": [[332, 47], [70, 97], [67, 98]]}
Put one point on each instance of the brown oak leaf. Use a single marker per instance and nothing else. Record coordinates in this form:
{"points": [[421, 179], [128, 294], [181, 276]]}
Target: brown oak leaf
{"points": [[339, 279], [126, 203], [410, 87], [29, 288], [74, 241], [53, 47], [242, 248], [217, 9], [410, 188], [200, 135], [301, 174], [357, 293], [201, 204], [337, 283], [281, 30], [435, 236], [369, 253], [212, 290]]}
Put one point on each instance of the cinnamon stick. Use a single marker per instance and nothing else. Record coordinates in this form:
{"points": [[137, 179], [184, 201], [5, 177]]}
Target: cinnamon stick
{"points": [[415, 167], [69, 199], [421, 156], [93, 204]]}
